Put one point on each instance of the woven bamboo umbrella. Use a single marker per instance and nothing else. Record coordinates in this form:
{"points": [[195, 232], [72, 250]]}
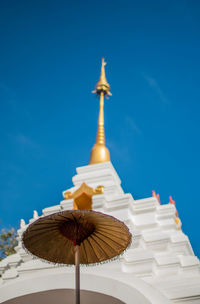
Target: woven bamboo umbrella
{"points": [[76, 237]]}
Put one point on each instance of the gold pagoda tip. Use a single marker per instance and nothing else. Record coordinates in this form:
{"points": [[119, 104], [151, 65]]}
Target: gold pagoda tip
{"points": [[100, 153], [102, 85]]}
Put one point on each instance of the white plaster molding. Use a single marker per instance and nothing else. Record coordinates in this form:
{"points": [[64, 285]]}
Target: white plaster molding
{"points": [[117, 284], [51, 210], [9, 274], [22, 223]]}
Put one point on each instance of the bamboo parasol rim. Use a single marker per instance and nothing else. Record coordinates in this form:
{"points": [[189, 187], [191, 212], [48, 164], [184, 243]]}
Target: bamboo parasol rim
{"points": [[49, 227]]}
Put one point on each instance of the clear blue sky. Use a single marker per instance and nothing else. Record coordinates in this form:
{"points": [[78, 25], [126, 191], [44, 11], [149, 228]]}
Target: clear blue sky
{"points": [[50, 57]]}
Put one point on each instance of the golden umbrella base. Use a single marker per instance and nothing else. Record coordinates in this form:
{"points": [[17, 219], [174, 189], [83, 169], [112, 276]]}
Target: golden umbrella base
{"points": [[76, 237]]}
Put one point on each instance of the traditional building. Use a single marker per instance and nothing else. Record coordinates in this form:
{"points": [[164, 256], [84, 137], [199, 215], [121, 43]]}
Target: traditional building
{"points": [[159, 268]]}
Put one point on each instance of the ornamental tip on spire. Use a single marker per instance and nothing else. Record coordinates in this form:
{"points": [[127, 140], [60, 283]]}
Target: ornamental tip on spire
{"points": [[102, 85], [100, 153]]}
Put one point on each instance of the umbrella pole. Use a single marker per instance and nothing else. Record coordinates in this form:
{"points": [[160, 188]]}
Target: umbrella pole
{"points": [[77, 265]]}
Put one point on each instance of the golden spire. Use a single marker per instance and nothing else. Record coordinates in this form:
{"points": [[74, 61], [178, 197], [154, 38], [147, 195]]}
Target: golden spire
{"points": [[100, 153]]}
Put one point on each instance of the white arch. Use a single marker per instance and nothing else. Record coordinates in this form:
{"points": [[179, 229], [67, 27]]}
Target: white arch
{"points": [[120, 286]]}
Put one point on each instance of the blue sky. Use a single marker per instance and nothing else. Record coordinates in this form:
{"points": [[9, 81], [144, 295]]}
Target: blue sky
{"points": [[50, 58]]}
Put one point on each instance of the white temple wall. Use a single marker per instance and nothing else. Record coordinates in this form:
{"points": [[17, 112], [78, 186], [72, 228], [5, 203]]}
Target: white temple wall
{"points": [[110, 283], [159, 265]]}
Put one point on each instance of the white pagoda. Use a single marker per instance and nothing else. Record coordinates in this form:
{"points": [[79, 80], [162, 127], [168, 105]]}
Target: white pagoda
{"points": [[159, 268]]}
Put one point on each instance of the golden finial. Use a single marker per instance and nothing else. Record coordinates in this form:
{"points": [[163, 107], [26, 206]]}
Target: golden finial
{"points": [[102, 85], [100, 153]]}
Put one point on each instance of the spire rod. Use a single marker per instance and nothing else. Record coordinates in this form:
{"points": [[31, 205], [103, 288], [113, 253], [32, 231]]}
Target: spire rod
{"points": [[100, 153]]}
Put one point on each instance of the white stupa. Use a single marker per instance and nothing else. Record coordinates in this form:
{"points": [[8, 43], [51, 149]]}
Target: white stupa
{"points": [[159, 268]]}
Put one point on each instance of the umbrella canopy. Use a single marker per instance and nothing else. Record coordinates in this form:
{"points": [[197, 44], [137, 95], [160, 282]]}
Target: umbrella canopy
{"points": [[99, 236]]}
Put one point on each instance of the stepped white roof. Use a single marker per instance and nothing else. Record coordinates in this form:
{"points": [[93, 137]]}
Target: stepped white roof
{"points": [[159, 267]]}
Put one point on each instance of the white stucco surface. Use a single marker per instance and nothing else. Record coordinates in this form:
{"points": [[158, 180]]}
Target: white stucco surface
{"points": [[159, 267]]}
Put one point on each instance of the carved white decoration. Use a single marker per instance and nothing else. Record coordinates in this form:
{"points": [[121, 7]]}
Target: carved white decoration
{"points": [[22, 223], [35, 215]]}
